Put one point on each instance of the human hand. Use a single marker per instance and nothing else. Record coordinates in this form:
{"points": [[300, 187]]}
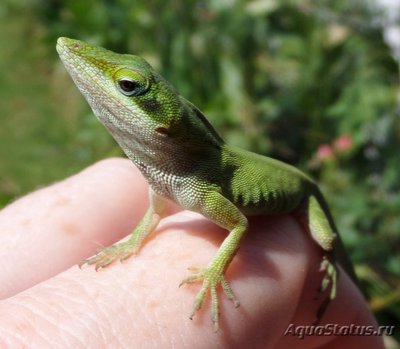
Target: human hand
{"points": [[50, 303]]}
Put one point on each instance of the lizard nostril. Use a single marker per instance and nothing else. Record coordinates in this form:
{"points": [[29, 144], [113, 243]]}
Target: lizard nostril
{"points": [[76, 45]]}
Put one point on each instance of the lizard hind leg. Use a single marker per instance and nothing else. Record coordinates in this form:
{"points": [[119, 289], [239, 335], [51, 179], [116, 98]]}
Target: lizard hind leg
{"points": [[322, 232]]}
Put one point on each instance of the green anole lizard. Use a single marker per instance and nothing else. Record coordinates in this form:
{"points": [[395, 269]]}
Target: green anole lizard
{"points": [[185, 160]]}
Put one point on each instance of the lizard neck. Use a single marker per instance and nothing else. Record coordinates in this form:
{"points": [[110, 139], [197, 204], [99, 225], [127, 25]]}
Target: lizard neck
{"points": [[166, 166]]}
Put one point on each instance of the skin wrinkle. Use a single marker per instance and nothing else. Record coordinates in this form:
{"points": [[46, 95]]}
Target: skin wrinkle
{"points": [[34, 313], [118, 303], [72, 340], [123, 287], [98, 325], [100, 311]]}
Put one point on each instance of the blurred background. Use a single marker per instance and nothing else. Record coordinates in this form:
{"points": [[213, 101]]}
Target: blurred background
{"points": [[313, 83]]}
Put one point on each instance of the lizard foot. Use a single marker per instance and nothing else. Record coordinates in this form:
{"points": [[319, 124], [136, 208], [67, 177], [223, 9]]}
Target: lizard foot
{"points": [[108, 255], [329, 280], [212, 277]]}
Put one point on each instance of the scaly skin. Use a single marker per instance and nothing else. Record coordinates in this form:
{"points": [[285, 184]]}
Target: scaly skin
{"points": [[186, 161]]}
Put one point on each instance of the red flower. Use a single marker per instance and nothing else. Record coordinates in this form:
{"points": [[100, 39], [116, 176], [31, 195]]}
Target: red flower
{"points": [[325, 152], [343, 143]]}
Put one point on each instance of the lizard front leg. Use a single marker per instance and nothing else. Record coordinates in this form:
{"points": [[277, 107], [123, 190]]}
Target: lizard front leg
{"points": [[124, 250], [224, 213]]}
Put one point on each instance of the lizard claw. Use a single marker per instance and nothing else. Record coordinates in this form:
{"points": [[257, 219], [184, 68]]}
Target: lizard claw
{"points": [[211, 277], [330, 277], [108, 255], [329, 280]]}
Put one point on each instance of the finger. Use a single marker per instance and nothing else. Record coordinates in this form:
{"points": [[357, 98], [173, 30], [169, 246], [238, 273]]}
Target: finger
{"points": [[141, 298], [53, 228]]}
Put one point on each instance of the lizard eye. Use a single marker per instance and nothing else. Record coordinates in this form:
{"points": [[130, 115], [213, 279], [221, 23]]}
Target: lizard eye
{"points": [[129, 87], [130, 82]]}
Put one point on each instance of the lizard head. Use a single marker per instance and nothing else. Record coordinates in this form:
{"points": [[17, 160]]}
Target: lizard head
{"points": [[141, 110]]}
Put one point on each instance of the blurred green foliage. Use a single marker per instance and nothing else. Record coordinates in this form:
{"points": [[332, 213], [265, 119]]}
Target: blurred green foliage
{"points": [[309, 82]]}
